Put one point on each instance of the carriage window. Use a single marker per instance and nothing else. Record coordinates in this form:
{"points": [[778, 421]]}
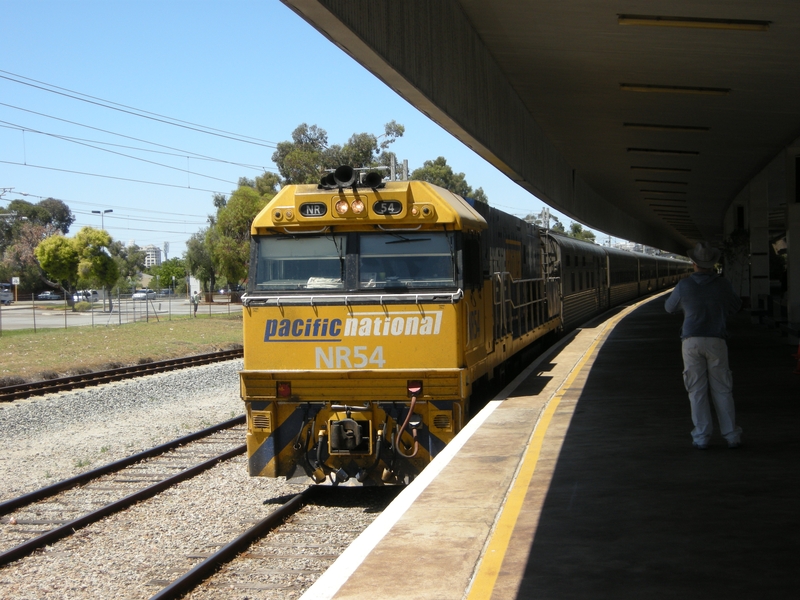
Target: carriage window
{"points": [[406, 260], [300, 262]]}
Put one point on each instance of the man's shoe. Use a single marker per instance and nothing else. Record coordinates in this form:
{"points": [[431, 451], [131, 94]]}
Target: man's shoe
{"points": [[700, 446], [735, 445]]}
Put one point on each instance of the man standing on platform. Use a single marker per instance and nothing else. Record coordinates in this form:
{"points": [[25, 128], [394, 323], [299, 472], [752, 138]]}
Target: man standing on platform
{"points": [[707, 300]]}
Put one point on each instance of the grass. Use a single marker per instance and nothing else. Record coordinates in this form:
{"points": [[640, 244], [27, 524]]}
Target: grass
{"points": [[49, 353]]}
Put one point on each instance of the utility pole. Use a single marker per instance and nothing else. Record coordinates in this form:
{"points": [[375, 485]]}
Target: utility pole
{"points": [[544, 216]]}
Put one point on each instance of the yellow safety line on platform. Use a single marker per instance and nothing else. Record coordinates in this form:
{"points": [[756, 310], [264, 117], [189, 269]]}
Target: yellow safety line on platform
{"points": [[489, 568]]}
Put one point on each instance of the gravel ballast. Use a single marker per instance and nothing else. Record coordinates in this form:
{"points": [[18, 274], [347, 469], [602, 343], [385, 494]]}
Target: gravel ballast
{"points": [[49, 438], [133, 554]]}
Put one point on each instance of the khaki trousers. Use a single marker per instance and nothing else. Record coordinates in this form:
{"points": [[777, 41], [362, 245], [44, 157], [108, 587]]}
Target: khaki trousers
{"points": [[706, 373]]}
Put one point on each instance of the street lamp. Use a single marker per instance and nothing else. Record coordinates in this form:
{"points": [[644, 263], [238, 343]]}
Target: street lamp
{"points": [[102, 214]]}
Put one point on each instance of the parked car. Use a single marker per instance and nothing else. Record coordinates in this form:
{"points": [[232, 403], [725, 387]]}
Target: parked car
{"points": [[232, 288], [6, 296], [85, 296], [144, 294], [49, 295]]}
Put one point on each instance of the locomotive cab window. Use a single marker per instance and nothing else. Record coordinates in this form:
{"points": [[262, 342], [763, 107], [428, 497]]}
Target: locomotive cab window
{"points": [[299, 262], [406, 260]]}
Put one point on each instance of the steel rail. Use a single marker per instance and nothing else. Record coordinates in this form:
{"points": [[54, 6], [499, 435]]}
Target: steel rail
{"points": [[56, 534], [39, 388], [229, 551], [36, 495]]}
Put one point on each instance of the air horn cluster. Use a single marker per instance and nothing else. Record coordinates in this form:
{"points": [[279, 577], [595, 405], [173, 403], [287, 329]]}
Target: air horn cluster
{"points": [[345, 176]]}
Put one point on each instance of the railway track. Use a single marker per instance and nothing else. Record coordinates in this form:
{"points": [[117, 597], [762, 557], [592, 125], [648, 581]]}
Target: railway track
{"points": [[273, 554], [285, 552], [209, 565], [39, 388], [60, 510]]}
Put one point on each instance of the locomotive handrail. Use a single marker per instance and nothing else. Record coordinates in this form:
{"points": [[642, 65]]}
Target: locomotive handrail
{"points": [[505, 274], [452, 297]]}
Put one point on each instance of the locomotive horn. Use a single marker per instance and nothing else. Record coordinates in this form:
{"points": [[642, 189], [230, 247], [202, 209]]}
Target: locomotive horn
{"points": [[344, 176], [327, 181], [373, 179]]}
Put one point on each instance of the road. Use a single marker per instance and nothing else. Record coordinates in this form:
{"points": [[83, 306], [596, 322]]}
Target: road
{"points": [[52, 314]]}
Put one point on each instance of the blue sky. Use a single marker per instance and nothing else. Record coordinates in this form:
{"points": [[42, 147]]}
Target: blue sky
{"points": [[241, 67]]}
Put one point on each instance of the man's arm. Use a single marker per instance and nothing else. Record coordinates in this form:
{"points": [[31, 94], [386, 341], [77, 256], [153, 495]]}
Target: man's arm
{"points": [[673, 303]]}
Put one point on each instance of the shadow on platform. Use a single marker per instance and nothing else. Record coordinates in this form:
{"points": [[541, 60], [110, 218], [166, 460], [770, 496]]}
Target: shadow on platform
{"points": [[635, 511]]}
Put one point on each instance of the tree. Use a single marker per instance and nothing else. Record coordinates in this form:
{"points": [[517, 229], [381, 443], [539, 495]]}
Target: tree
{"points": [[23, 226], [82, 258], [130, 262], [19, 258], [198, 259], [96, 267], [50, 213], [438, 172], [308, 155], [228, 241], [170, 270], [61, 216], [267, 184], [219, 200], [300, 160], [577, 231], [59, 259]]}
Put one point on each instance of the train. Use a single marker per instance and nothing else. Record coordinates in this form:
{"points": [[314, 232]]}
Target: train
{"points": [[373, 310]]}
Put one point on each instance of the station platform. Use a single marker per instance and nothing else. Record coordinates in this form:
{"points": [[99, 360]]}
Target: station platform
{"points": [[580, 481]]}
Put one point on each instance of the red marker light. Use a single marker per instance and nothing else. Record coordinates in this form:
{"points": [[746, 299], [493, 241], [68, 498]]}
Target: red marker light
{"points": [[414, 388], [284, 389]]}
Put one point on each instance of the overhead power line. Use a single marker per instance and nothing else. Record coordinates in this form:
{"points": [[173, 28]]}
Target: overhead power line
{"points": [[105, 205], [187, 154], [53, 89], [158, 231], [183, 152], [151, 162], [183, 187], [116, 217]]}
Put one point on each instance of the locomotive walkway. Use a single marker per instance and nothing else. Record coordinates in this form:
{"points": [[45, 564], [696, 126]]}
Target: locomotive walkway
{"points": [[583, 483]]}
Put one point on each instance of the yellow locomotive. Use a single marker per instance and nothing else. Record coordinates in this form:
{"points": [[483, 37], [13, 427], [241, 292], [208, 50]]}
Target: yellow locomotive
{"points": [[372, 309]]}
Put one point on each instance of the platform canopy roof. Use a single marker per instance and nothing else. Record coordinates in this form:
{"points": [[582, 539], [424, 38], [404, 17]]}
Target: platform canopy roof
{"points": [[643, 119]]}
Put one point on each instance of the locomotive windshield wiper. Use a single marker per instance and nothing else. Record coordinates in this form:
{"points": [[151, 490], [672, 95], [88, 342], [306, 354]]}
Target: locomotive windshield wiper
{"points": [[341, 257], [403, 240]]}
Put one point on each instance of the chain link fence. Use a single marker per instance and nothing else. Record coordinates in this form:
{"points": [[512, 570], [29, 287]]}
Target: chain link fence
{"points": [[30, 312]]}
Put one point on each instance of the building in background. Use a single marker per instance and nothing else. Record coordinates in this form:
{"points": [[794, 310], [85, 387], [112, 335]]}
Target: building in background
{"points": [[152, 256]]}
